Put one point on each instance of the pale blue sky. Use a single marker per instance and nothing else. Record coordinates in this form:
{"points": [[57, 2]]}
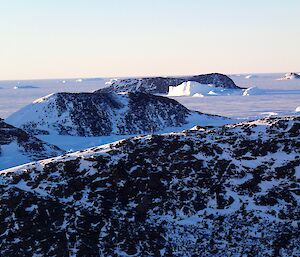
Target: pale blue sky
{"points": [[82, 38]]}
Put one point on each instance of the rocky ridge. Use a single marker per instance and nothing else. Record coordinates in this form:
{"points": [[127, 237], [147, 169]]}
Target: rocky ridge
{"points": [[228, 191]]}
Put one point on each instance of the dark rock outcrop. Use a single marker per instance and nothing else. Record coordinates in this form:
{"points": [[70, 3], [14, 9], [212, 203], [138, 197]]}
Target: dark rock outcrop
{"points": [[229, 191], [160, 85]]}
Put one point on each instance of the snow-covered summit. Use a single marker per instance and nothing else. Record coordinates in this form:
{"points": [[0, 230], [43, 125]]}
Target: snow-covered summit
{"points": [[44, 99], [97, 114]]}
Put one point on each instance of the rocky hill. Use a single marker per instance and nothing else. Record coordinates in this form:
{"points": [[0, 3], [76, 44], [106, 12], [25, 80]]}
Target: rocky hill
{"points": [[18, 147], [228, 191], [160, 85], [98, 114]]}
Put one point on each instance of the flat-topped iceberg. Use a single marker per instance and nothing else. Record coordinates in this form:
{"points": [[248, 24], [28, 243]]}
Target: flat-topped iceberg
{"points": [[252, 91], [195, 89], [192, 88]]}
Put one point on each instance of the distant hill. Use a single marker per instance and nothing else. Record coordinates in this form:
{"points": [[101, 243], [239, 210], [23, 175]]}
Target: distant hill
{"points": [[98, 114], [160, 85]]}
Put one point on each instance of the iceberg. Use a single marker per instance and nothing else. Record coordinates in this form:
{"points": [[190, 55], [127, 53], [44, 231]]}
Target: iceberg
{"points": [[192, 88]]}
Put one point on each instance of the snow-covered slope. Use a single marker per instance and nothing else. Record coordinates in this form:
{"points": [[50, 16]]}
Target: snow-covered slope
{"points": [[160, 85], [18, 147], [229, 191], [291, 75], [98, 114]]}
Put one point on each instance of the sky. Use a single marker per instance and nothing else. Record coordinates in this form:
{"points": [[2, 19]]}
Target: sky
{"points": [[107, 38]]}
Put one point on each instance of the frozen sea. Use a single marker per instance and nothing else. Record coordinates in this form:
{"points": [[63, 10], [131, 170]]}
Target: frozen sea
{"points": [[16, 94], [279, 97]]}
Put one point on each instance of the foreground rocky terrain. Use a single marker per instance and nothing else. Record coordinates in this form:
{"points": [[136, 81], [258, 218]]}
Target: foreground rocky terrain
{"points": [[99, 114], [228, 191], [18, 147], [160, 85]]}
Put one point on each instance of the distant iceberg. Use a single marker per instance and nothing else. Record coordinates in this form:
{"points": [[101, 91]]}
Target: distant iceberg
{"points": [[93, 79], [290, 76], [25, 87], [252, 91], [195, 89], [250, 76]]}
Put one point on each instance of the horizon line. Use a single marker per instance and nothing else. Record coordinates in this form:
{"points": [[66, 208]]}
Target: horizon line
{"points": [[144, 76]]}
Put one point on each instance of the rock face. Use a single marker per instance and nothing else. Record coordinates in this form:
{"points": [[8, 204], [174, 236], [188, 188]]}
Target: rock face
{"points": [[18, 147], [95, 114], [229, 191], [160, 85]]}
